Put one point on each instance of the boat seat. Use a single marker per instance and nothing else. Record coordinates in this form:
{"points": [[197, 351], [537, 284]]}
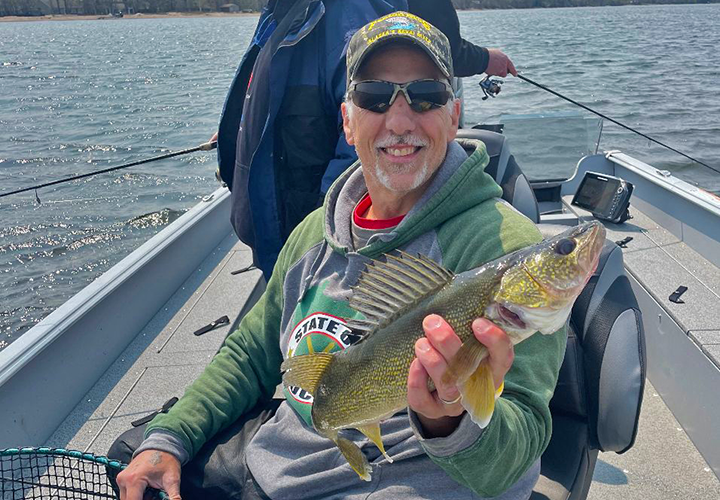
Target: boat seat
{"points": [[596, 405], [504, 169]]}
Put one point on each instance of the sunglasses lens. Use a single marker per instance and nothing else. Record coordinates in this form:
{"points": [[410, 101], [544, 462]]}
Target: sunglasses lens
{"points": [[427, 94], [424, 94], [373, 96]]}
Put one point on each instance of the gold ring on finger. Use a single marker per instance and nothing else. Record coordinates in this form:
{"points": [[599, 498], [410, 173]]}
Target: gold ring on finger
{"points": [[445, 402]]}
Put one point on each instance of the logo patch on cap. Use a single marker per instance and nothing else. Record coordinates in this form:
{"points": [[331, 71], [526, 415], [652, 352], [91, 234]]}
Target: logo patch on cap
{"points": [[402, 25]]}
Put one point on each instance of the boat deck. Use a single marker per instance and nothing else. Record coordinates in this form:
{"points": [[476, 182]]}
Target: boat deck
{"points": [[662, 262], [166, 356]]}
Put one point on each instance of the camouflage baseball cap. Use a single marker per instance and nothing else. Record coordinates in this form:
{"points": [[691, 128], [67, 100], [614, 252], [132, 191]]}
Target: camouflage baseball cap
{"points": [[399, 26]]}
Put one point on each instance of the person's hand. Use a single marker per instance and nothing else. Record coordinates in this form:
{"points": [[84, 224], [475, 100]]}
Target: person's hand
{"points": [[499, 64], [432, 353], [214, 137], [154, 468]]}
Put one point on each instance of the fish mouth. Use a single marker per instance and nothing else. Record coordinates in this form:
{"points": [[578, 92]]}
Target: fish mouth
{"points": [[509, 317]]}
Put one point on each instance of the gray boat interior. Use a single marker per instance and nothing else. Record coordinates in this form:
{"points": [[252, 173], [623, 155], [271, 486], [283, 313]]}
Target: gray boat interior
{"points": [[125, 345]]}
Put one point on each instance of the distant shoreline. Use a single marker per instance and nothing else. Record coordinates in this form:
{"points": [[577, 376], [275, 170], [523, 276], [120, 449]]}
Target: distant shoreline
{"points": [[176, 15], [73, 17]]}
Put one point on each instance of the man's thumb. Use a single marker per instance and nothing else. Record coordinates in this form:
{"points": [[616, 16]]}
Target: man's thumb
{"points": [[171, 483]]}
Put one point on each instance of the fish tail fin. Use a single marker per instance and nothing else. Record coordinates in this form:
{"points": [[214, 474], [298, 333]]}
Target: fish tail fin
{"points": [[355, 457], [305, 371], [372, 431], [465, 362], [479, 395]]}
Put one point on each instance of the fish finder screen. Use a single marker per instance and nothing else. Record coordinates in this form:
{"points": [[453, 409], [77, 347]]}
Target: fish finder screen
{"points": [[596, 193]]}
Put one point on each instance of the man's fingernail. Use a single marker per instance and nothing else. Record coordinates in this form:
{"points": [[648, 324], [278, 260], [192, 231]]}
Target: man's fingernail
{"points": [[423, 346], [432, 322], [480, 325]]}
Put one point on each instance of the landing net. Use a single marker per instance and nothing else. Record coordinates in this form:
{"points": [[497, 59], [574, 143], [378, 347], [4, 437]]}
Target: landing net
{"points": [[55, 473]]}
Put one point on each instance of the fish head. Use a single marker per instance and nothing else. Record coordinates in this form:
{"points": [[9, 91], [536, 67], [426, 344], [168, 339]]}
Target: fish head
{"points": [[539, 284]]}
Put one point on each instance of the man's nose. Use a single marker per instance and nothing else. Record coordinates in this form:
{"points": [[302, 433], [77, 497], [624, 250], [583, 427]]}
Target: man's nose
{"points": [[400, 118]]}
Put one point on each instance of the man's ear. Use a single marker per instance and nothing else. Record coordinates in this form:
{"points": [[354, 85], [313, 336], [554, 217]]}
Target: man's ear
{"points": [[454, 120], [346, 124]]}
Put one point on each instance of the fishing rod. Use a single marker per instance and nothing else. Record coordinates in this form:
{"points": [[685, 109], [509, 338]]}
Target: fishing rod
{"points": [[208, 146], [616, 122]]}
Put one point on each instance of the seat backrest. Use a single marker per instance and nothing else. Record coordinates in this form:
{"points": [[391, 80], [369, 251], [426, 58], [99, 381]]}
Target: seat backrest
{"points": [[603, 374], [504, 169], [608, 323]]}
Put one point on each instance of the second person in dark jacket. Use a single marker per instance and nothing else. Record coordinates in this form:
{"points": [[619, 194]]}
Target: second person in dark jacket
{"points": [[280, 143]]}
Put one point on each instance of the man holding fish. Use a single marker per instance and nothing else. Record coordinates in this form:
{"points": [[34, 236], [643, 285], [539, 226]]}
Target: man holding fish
{"points": [[392, 310]]}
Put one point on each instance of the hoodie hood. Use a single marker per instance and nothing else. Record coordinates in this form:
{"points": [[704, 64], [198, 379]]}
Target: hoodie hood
{"points": [[446, 196]]}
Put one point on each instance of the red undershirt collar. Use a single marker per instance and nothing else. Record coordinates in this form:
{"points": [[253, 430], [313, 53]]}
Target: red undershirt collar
{"points": [[362, 208]]}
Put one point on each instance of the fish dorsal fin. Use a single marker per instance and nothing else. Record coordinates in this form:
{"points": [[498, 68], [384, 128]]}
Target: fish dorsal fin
{"points": [[386, 289]]}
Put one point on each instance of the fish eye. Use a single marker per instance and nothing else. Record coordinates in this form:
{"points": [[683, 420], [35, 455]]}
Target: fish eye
{"points": [[565, 246]]}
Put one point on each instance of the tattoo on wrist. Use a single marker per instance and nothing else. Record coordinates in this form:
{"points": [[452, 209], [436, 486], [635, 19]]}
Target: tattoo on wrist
{"points": [[155, 458]]}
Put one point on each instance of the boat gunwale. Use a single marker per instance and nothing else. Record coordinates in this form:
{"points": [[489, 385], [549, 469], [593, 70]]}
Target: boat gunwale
{"points": [[33, 342]]}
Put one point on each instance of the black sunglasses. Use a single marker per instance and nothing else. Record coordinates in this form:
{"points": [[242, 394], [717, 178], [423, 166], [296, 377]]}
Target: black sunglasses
{"points": [[422, 95]]}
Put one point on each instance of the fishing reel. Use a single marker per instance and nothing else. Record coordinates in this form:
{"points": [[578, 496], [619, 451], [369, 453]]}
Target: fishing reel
{"points": [[490, 86]]}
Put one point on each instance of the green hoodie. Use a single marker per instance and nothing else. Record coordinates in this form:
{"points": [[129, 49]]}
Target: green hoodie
{"points": [[461, 223]]}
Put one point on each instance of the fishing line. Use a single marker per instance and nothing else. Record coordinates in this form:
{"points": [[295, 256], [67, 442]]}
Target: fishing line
{"points": [[616, 122], [208, 146]]}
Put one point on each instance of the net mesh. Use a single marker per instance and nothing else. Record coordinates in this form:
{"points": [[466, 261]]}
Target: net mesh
{"points": [[53, 473]]}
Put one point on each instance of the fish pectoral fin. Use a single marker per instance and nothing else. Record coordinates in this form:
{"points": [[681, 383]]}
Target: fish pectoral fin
{"points": [[355, 457], [479, 395], [305, 371], [465, 362], [372, 431]]}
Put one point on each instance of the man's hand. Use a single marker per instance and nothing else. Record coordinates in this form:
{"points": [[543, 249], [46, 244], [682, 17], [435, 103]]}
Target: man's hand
{"points": [[153, 468], [432, 353], [499, 64], [214, 137]]}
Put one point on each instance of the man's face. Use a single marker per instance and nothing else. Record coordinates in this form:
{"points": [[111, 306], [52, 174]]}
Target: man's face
{"points": [[400, 149]]}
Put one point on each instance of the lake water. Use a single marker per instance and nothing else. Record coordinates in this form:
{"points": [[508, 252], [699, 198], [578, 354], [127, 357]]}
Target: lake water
{"points": [[85, 95]]}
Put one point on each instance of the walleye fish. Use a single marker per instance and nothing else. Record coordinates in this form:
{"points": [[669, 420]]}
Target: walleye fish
{"points": [[530, 290]]}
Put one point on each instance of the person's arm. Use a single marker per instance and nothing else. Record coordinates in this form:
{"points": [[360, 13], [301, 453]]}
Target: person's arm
{"points": [[246, 369], [468, 59]]}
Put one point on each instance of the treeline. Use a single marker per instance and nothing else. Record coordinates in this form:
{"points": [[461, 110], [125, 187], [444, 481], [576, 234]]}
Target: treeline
{"points": [[538, 4], [104, 7]]}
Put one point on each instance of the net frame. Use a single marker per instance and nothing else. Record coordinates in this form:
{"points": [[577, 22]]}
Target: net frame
{"points": [[56, 473]]}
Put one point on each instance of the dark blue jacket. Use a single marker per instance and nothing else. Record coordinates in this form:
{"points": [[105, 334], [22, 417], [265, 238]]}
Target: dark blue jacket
{"points": [[281, 128]]}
